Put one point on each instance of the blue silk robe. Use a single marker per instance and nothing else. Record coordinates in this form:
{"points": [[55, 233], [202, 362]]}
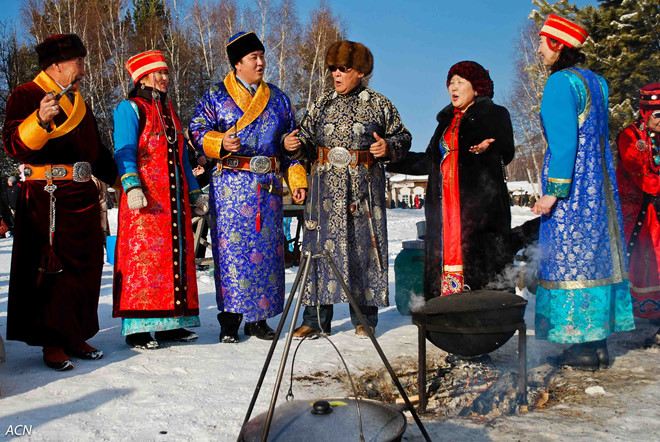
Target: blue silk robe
{"points": [[249, 264], [583, 292]]}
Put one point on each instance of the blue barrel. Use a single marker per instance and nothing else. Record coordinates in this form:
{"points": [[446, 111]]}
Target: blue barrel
{"points": [[409, 274], [110, 242]]}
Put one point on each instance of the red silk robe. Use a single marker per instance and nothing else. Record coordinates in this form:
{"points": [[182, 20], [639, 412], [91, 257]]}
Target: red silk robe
{"points": [[62, 309], [155, 264], [637, 176]]}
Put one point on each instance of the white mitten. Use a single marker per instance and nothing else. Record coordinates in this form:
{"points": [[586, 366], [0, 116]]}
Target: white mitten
{"points": [[135, 199], [202, 205]]}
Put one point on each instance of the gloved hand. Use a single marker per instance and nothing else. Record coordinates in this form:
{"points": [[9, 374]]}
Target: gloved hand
{"points": [[135, 199], [201, 206]]}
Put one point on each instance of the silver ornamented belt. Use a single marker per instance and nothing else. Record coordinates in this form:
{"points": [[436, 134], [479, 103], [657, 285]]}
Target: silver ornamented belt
{"points": [[258, 164], [80, 172]]}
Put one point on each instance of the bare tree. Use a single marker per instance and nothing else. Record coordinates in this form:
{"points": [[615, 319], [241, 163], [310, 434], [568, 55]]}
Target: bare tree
{"points": [[524, 104], [323, 30]]}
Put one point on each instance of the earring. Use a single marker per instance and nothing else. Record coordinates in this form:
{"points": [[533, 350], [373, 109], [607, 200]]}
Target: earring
{"points": [[141, 85]]}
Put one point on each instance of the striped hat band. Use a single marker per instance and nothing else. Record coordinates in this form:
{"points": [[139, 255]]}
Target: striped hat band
{"points": [[145, 63], [564, 31]]}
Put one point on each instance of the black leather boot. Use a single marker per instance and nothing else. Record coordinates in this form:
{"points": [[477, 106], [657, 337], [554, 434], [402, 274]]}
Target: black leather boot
{"points": [[178, 334], [259, 329], [602, 354], [578, 356], [229, 325]]}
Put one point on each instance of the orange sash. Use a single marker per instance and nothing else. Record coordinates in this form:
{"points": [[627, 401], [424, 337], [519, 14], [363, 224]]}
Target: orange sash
{"points": [[252, 107], [33, 135]]}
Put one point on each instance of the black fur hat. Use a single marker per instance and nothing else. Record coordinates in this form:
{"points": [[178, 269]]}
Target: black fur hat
{"points": [[352, 55], [59, 47], [241, 44]]}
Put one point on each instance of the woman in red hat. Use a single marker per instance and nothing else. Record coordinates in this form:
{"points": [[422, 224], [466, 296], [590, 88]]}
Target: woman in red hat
{"points": [[155, 286], [638, 174], [583, 293]]}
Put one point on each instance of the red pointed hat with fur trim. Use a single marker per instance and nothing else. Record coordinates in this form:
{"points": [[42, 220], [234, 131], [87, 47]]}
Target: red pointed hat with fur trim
{"points": [[564, 31], [145, 63]]}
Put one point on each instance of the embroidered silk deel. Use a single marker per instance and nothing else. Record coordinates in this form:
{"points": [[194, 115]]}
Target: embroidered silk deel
{"points": [[583, 288], [249, 264], [338, 198], [452, 268], [155, 274], [639, 185]]}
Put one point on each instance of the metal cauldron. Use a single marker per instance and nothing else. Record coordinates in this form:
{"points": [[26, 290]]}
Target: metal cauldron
{"points": [[328, 420], [471, 323]]}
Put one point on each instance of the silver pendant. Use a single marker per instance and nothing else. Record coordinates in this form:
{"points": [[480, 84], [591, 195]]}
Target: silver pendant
{"points": [[641, 145], [311, 225]]}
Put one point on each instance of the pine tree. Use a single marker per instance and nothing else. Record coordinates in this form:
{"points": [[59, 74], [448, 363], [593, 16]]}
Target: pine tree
{"points": [[623, 47]]}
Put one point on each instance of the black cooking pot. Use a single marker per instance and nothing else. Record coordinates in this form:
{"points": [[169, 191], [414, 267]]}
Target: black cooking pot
{"points": [[328, 420], [466, 317]]}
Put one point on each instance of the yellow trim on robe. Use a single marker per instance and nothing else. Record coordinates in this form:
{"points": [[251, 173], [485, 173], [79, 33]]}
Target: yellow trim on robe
{"points": [[251, 106], [212, 143], [296, 177], [561, 180], [33, 135]]}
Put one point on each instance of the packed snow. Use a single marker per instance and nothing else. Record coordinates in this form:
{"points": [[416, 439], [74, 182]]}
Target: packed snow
{"points": [[201, 390]]}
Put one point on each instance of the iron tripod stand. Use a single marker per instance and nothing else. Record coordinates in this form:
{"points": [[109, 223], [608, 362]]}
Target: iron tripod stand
{"points": [[303, 271]]}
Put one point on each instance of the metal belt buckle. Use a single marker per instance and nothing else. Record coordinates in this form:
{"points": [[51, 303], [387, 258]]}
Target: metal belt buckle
{"points": [[55, 172], [260, 164], [82, 171], [232, 162], [27, 171], [339, 157]]}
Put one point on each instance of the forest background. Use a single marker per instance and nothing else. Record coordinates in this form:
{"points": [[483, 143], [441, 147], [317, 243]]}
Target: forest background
{"points": [[623, 47]]}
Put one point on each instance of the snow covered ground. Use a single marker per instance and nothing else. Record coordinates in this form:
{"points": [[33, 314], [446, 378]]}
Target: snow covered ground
{"points": [[201, 391]]}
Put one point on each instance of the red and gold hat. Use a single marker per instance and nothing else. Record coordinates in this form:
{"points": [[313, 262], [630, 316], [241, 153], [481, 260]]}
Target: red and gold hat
{"points": [[564, 31], [649, 97], [145, 63]]}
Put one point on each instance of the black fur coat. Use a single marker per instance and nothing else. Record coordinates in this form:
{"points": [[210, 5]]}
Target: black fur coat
{"points": [[484, 198]]}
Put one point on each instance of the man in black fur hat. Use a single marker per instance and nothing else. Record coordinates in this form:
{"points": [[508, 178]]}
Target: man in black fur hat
{"points": [[57, 257], [348, 135]]}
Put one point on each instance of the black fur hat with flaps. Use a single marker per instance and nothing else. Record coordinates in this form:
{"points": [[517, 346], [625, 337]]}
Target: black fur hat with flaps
{"points": [[59, 47], [352, 55]]}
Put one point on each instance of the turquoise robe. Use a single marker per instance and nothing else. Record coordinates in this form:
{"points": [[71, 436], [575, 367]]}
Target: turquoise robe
{"points": [[583, 292]]}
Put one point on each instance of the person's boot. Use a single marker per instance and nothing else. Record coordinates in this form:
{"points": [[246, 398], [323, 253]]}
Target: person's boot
{"points": [[578, 356], [654, 341], [229, 325], [602, 353], [142, 340], [178, 335], [55, 358], [259, 329], [305, 332], [84, 351]]}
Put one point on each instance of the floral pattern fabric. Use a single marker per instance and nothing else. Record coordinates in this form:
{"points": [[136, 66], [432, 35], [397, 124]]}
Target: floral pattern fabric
{"points": [[246, 231], [155, 275], [639, 181], [341, 200], [582, 275]]}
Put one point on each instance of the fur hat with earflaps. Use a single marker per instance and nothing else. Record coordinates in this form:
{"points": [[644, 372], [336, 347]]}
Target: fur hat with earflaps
{"points": [[351, 55]]}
